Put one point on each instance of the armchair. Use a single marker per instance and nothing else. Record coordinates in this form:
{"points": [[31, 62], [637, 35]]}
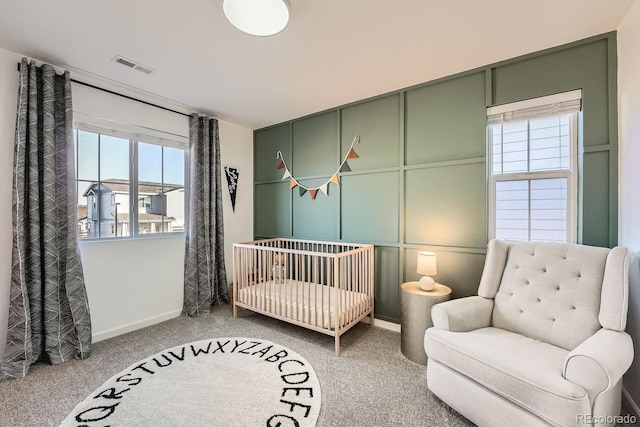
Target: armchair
{"points": [[542, 343]]}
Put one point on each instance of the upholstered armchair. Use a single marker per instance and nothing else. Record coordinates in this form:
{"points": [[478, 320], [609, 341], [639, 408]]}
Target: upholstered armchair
{"points": [[542, 343]]}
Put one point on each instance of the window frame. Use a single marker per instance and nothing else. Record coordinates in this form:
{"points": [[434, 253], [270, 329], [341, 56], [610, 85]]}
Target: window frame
{"points": [[134, 138], [571, 174]]}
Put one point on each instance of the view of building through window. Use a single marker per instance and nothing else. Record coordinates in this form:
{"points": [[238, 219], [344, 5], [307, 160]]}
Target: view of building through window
{"points": [[128, 188]]}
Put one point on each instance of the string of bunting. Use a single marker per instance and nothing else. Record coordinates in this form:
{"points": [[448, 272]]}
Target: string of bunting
{"points": [[324, 188]]}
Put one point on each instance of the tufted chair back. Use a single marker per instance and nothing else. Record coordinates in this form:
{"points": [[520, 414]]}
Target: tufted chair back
{"points": [[555, 292]]}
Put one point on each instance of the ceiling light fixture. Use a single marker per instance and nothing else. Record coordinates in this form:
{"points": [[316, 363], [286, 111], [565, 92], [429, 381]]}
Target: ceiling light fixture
{"points": [[258, 17]]}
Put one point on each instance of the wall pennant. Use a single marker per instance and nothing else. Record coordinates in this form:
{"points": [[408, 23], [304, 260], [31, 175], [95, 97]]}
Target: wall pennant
{"points": [[324, 188], [232, 184]]}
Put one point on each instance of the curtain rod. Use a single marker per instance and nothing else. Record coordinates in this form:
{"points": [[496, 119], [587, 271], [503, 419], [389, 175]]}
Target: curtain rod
{"points": [[125, 96]]}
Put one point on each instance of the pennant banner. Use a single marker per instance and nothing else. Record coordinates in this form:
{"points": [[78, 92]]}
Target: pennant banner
{"points": [[232, 183], [324, 188]]}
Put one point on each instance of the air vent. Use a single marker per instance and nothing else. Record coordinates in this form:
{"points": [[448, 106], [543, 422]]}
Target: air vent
{"points": [[119, 59]]}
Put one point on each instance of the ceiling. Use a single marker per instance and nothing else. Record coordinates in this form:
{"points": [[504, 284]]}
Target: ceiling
{"points": [[333, 52]]}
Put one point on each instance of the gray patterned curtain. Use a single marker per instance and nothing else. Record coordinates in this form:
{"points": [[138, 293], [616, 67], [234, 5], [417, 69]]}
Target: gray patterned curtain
{"points": [[205, 278], [48, 308]]}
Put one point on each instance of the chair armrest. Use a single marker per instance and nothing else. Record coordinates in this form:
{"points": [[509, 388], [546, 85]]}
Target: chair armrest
{"points": [[599, 362], [463, 314]]}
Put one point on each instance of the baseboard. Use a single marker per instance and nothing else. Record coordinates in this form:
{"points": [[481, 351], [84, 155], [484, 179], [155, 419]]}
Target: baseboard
{"points": [[395, 327], [630, 404], [130, 327]]}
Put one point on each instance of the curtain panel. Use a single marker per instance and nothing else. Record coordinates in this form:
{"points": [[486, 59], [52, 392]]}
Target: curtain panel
{"points": [[205, 278], [48, 307]]}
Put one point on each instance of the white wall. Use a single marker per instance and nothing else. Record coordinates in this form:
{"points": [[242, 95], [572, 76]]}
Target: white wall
{"points": [[130, 283], [629, 178], [8, 103]]}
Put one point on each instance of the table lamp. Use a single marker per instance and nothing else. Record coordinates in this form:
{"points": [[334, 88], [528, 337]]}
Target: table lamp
{"points": [[427, 266]]}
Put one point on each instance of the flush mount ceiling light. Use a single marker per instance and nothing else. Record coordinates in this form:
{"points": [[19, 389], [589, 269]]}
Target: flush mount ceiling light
{"points": [[258, 17]]}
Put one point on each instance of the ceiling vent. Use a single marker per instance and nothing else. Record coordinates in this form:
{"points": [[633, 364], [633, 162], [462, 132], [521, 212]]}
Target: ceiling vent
{"points": [[119, 59]]}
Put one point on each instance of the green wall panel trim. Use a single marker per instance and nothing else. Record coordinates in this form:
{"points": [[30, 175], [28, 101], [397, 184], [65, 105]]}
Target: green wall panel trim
{"points": [[446, 120], [595, 205], [370, 207], [314, 145], [266, 144], [378, 124], [447, 206], [584, 66], [272, 209], [315, 219], [387, 292], [458, 270], [442, 193]]}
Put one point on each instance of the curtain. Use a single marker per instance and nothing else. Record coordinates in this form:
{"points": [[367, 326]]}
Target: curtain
{"points": [[205, 278], [48, 308]]}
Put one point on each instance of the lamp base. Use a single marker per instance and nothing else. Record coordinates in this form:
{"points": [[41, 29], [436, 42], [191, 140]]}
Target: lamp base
{"points": [[427, 283]]}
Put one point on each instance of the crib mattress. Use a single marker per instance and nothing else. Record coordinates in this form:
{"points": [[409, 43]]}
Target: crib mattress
{"points": [[310, 303]]}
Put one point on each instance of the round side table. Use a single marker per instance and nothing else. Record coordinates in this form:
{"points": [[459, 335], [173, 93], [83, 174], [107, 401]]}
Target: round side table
{"points": [[416, 317]]}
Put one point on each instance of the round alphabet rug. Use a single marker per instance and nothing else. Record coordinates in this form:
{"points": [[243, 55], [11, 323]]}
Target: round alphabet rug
{"points": [[217, 382]]}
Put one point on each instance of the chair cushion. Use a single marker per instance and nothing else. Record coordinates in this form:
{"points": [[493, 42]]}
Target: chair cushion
{"points": [[523, 370], [551, 292]]}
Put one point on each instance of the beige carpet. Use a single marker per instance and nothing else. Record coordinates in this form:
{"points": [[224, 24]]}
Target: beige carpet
{"points": [[217, 382]]}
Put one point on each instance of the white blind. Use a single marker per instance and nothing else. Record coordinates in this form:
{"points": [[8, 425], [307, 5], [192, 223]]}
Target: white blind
{"points": [[532, 210], [532, 147], [562, 103], [101, 125]]}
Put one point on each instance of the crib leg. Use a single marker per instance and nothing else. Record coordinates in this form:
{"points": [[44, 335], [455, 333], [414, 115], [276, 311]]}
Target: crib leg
{"points": [[235, 311], [372, 319], [337, 345]]}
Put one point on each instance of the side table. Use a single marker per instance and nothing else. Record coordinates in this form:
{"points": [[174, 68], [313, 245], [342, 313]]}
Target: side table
{"points": [[416, 317]]}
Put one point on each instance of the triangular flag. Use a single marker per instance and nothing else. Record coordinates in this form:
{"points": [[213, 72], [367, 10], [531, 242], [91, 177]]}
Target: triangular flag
{"points": [[281, 165], [287, 174], [313, 193], [334, 180], [232, 183], [352, 154], [325, 188], [292, 183], [345, 167], [302, 190]]}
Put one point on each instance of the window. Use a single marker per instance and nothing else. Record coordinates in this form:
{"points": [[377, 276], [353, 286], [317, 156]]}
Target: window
{"points": [[128, 185], [532, 149]]}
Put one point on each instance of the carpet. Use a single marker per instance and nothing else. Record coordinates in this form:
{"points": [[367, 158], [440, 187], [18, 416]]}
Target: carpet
{"points": [[217, 382]]}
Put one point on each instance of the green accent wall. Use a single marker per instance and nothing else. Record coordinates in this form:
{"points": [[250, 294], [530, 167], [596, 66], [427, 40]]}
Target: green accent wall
{"points": [[420, 182]]}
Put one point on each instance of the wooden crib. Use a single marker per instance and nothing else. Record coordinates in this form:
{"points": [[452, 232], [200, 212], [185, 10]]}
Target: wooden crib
{"points": [[324, 286]]}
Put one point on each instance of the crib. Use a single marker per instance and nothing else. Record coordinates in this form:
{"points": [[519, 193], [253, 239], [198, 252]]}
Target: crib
{"points": [[324, 286]]}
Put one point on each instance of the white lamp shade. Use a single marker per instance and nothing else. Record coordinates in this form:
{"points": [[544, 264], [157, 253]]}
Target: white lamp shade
{"points": [[258, 17], [427, 263]]}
